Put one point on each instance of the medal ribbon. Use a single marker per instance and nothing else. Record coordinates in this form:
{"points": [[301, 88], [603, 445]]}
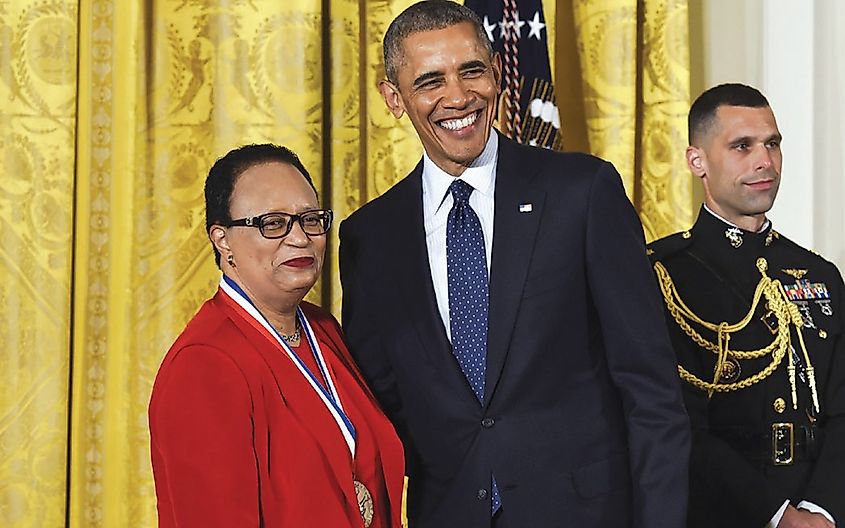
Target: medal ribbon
{"points": [[330, 397]]}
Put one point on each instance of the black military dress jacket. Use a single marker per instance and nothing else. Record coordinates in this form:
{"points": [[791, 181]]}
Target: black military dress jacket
{"points": [[737, 479]]}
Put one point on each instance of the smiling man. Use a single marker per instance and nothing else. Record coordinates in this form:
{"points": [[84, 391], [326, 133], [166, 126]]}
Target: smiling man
{"points": [[763, 363], [500, 304]]}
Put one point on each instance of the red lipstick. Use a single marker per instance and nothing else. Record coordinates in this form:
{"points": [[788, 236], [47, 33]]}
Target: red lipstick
{"points": [[299, 262]]}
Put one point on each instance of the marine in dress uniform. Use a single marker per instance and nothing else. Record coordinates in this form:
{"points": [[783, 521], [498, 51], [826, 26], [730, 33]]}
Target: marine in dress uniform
{"points": [[759, 437]]}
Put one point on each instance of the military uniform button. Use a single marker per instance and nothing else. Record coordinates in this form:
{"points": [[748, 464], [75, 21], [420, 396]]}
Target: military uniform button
{"points": [[730, 371], [779, 405], [482, 494], [487, 423], [686, 234], [822, 334]]}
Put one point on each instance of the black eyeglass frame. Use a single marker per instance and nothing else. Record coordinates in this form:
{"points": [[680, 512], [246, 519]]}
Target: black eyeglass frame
{"points": [[256, 221]]}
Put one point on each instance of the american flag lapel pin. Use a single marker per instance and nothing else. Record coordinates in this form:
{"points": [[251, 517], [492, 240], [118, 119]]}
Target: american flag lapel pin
{"points": [[526, 208]]}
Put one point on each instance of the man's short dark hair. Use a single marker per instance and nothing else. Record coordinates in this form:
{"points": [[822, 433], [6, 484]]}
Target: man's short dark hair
{"points": [[428, 15], [702, 114], [223, 175]]}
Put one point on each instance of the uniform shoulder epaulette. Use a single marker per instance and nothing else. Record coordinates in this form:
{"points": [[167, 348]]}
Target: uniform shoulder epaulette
{"points": [[666, 246]]}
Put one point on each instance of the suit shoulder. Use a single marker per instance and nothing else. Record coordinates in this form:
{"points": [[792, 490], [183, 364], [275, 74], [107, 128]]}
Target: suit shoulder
{"points": [[201, 342], [572, 161], [543, 157], [804, 254], [794, 247], [568, 170], [206, 330], [382, 205], [204, 326], [667, 246]]}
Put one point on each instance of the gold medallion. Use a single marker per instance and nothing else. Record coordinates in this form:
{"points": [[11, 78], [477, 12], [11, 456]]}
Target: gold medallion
{"points": [[730, 371], [365, 503], [779, 405]]}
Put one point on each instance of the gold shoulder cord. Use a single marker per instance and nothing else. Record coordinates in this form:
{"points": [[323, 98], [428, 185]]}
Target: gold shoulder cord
{"points": [[777, 302]]}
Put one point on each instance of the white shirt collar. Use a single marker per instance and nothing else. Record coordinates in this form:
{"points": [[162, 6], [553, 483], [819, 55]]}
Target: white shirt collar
{"points": [[480, 174], [762, 228]]}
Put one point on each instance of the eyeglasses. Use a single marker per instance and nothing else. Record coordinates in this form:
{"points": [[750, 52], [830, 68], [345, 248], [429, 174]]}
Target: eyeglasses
{"points": [[278, 225]]}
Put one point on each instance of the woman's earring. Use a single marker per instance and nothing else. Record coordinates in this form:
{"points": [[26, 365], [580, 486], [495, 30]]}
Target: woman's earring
{"points": [[231, 260]]}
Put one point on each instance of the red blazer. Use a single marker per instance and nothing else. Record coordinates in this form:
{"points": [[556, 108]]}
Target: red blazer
{"points": [[239, 438]]}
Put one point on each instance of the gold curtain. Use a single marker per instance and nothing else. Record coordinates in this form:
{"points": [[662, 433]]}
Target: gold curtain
{"points": [[111, 112], [37, 137], [624, 80]]}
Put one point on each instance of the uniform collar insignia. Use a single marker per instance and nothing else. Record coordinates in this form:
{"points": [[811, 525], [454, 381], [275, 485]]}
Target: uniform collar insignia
{"points": [[772, 235], [734, 235], [797, 273]]}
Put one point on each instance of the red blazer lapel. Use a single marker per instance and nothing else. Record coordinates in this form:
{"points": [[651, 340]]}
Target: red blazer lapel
{"points": [[298, 396], [391, 455]]}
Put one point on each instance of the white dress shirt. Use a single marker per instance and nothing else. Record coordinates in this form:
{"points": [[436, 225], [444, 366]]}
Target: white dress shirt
{"points": [[437, 202]]}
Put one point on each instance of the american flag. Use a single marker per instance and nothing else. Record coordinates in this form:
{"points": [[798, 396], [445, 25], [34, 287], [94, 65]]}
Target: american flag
{"points": [[527, 109]]}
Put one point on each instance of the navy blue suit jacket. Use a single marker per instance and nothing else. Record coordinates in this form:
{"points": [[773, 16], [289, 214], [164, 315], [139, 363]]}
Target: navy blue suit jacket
{"points": [[583, 422]]}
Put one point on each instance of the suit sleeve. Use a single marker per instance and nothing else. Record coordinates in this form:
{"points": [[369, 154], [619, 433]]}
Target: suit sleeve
{"points": [[201, 428], [639, 354], [361, 330]]}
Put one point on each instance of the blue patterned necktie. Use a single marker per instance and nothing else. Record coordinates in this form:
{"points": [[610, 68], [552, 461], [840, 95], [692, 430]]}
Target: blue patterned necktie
{"points": [[466, 267]]}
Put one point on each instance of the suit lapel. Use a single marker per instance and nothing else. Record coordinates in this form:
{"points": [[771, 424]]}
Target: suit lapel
{"points": [[514, 233], [518, 208], [412, 272]]}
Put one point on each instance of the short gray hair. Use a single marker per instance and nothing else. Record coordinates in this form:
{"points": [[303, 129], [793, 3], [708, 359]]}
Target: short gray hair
{"points": [[427, 15]]}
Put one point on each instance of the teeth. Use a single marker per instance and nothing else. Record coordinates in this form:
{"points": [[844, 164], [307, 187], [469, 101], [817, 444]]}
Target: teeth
{"points": [[457, 124]]}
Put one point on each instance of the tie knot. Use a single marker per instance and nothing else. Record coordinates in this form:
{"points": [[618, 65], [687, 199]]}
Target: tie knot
{"points": [[460, 191]]}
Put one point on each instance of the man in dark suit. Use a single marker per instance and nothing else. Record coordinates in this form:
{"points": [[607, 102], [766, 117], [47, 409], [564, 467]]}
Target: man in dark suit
{"points": [[500, 303], [769, 425]]}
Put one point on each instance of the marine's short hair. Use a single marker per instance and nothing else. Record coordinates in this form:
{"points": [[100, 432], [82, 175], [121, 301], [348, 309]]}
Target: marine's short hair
{"points": [[428, 15], [220, 183], [702, 114]]}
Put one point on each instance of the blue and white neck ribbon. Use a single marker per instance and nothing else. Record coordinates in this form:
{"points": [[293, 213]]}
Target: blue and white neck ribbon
{"points": [[330, 397]]}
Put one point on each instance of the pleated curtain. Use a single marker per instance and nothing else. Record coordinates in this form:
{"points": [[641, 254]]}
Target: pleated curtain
{"points": [[111, 113]]}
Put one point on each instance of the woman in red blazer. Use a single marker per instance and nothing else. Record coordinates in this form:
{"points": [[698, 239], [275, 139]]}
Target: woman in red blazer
{"points": [[259, 416]]}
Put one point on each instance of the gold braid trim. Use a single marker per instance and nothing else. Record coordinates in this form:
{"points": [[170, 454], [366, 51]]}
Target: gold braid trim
{"points": [[811, 372], [681, 312], [785, 312], [729, 387]]}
